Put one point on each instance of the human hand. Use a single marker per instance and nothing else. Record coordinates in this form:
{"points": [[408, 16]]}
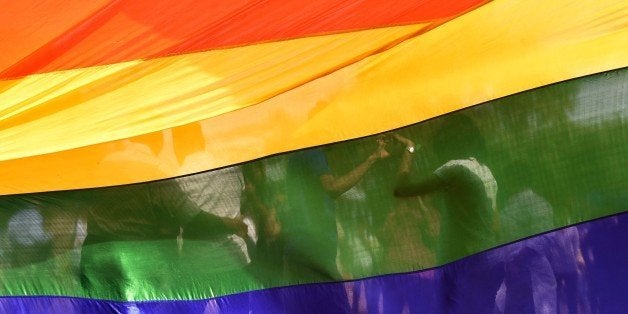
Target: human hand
{"points": [[381, 152], [403, 140]]}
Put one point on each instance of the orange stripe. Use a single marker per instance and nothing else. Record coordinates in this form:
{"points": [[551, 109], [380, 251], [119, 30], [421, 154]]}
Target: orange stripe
{"points": [[478, 57], [111, 102], [48, 35]]}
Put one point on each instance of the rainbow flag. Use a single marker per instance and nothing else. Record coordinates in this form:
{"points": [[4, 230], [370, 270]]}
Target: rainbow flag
{"points": [[322, 156]]}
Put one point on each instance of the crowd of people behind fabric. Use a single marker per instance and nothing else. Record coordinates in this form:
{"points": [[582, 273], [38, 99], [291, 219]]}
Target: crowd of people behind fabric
{"points": [[292, 219]]}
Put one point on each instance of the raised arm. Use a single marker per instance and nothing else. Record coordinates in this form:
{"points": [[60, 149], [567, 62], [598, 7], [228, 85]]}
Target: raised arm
{"points": [[263, 208], [404, 167], [335, 186]]}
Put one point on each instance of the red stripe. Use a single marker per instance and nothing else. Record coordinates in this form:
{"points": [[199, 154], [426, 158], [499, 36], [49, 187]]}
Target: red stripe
{"points": [[124, 30]]}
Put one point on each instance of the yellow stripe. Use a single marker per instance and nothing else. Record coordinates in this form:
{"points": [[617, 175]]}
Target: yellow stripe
{"points": [[504, 47], [57, 111], [500, 49]]}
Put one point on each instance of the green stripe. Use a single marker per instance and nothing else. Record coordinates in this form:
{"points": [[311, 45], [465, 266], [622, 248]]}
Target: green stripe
{"points": [[557, 152]]}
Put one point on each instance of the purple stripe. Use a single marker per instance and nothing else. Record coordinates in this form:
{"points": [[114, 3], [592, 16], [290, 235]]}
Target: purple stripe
{"points": [[577, 269]]}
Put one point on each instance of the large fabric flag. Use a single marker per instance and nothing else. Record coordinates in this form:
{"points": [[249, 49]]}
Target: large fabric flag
{"points": [[322, 156]]}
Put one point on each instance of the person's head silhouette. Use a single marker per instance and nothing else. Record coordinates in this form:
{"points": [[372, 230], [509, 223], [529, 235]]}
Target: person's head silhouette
{"points": [[457, 137]]}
